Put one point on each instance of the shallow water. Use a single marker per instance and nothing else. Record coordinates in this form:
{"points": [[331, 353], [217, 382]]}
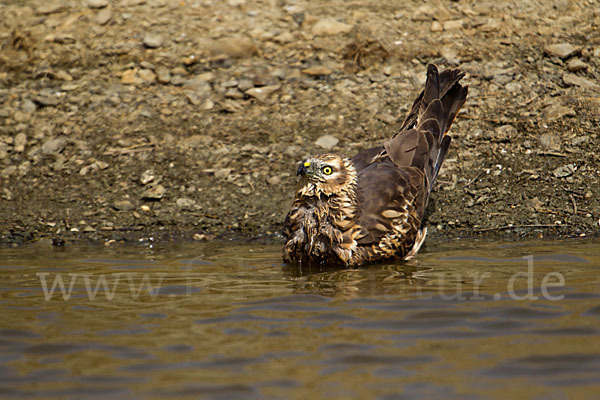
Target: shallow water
{"points": [[466, 319]]}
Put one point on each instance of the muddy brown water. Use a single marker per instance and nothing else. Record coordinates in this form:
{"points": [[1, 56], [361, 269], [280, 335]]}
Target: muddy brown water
{"points": [[466, 319]]}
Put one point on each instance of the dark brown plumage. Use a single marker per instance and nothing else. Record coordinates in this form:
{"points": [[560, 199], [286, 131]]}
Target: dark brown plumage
{"points": [[370, 207]]}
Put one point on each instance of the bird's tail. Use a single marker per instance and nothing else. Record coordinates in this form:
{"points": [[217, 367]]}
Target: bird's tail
{"points": [[422, 141]]}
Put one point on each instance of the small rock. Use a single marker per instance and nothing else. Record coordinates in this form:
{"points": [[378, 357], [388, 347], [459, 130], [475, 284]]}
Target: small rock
{"points": [[28, 106], [97, 3], [147, 177], [104, 16], [262, 93], [152, 40], [147, 75], [155, 193], [201, 237], [123, 205], [3, 151], [513, 87], [186, 203], [234, 47], [7, 194], [54, 146], [50, 8], [46, 100], [564, 171], [274, 180], [245, 84], [330, 27], [233, 93], [130, 77], [575, 65], [222, 173], [436, 27], [571, 79], [557, 111], [561, 50], [327, 142], [452, 25], [548, 141], [451, 55], [19, 142], [317, 70], [163, 75], [504, 133], [285, 37]]}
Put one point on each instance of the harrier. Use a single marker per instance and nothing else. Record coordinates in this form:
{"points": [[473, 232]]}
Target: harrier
{"points": [[351, 211]]}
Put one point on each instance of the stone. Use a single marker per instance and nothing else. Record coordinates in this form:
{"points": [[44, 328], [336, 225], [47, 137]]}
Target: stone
{"points": [[436, 27], [130, 77], [147, 75], [97, 3], [453, 24], [45, 100], [19, 142], [154, 193], [571, 79], [54, 146], [274, 180], [285, 37], [327, 142], [564, 171], [330, 27], [185, 203], [50, 8], [123, 205], [557, 111], [147, 177], [223, 173], [575, 65], [561, 50], [262, 93], [28, 106], [152, 40], [163, 75], [317, 70], [504, 133], [104, 16], [234, 47]]}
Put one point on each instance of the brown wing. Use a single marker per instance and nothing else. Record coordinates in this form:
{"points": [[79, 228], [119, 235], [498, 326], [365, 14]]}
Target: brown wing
{"points": [[392, 201]]}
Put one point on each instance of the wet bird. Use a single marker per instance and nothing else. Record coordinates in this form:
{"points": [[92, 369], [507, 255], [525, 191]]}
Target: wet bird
{"points": [[352, 211]]}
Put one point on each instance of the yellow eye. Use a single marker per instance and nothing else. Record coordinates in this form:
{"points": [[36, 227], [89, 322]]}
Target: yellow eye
{"points": [[327, 170]]}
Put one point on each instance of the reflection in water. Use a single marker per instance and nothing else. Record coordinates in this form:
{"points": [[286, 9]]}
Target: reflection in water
{"points": [[480, 320]]}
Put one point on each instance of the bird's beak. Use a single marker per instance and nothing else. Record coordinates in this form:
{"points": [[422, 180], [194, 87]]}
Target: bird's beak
{"points": [[303, 168]]}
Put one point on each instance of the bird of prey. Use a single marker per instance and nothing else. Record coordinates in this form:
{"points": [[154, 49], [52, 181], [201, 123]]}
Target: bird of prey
{"points": [[352, 211]]}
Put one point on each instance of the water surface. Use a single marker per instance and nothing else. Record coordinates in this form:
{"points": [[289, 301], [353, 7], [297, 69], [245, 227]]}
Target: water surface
{"points": [[466, 319]]}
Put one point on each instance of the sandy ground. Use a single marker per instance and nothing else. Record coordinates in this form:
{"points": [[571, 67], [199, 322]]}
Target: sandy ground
{"points": [[160, 119]]}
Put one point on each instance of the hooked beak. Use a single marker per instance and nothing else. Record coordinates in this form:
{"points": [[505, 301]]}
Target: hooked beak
{"points": [[303, 168]]}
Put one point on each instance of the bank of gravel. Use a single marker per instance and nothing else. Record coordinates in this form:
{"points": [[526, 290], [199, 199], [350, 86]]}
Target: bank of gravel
{"points": [[139, 119]]}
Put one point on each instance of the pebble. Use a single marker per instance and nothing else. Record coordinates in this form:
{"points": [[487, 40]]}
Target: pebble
{"points": [[234, 47], [54, 146], [130, 77], [327, 142], [154, 193], [3, 150], [330, 27], [262, 93], [571, 79], [28, 106], [152, 40], [436, 27], [285, 37], [45, 100], [557, 111], [51, 8], [123, 205], [185, 203], [147, 75], [575, 65], [147, 177], [561, 50], [453, 25], [317, 70], [163, 75], [233, 93], [564, 171], [97, 3], [104, 16], [19, 142], [274, 180]]}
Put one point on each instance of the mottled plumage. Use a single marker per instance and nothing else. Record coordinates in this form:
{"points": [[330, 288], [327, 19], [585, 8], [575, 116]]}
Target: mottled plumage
{"points": [[370, 207]]}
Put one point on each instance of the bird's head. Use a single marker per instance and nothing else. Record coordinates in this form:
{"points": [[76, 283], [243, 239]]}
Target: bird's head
{"points": [[326, 174]]}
